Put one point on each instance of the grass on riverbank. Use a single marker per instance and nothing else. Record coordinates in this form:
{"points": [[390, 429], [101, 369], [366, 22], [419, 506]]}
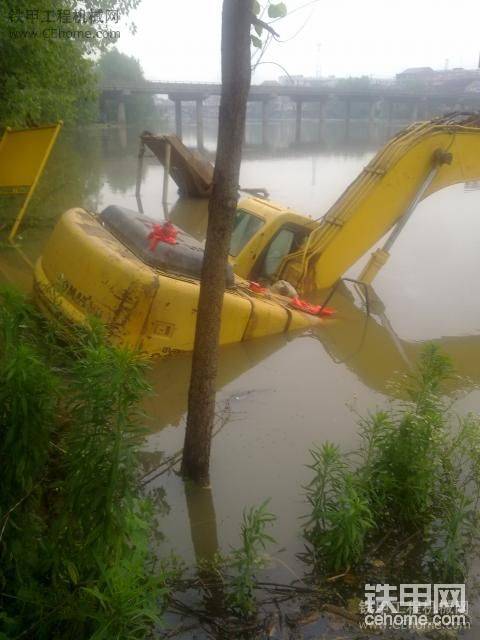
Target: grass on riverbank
{"points": [[74, 532]]}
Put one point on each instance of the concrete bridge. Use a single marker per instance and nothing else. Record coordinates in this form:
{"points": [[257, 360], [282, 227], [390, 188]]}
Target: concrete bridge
{"points": [[380, 99]]}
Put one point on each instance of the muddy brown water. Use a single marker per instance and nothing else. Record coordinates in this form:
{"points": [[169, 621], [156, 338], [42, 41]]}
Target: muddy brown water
{"points": [[280, 395]]}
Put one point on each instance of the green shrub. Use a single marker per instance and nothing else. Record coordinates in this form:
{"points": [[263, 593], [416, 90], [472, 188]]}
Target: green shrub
{"points": [[74, 531], [340, 516], [248, 559], [415, 474]]}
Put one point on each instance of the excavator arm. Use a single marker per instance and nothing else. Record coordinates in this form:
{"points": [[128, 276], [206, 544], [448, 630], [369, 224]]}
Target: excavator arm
{"points": [[420, 160]]}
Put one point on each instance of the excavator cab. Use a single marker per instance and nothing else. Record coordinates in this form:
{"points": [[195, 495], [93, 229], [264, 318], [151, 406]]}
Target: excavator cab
{"points": [[287, 240], [264, 236]]}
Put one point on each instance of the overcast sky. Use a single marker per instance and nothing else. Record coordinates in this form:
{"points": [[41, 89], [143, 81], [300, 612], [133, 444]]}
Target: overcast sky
{"points": [[180, 39]]}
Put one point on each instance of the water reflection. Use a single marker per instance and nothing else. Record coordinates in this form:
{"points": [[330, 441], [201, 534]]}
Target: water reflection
{"points": [[333, 137], [371, 348], [170, 377], [367, 344], [203, 523]]}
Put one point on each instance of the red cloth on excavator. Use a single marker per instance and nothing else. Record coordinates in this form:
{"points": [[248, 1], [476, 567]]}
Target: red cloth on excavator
{"points": [[165, 232], [256, 287], [313, 309]]}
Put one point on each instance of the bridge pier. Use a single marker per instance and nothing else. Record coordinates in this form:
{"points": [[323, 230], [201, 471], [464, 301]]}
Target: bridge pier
{"points": [[321, 112], [321, 117], [121, 112], [264, 122], [178, 114], [298, 121], [178, 118], [199, 114], [375, 110]]}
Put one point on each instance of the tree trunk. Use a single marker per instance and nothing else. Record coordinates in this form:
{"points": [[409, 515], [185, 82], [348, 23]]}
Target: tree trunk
{"points": [[236, 19]]}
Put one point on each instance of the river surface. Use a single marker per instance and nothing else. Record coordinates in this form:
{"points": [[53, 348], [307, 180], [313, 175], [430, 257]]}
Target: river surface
{"points": [[279, 396]]}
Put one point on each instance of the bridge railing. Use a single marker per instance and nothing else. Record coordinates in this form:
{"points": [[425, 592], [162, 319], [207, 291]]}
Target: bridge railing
{"points": [[376, 91]]}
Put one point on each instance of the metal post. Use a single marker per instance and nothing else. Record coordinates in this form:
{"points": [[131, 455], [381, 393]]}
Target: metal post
{"points": [[166, 173]]}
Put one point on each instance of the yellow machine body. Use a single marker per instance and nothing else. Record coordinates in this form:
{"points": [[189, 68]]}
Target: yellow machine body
{"points": [[85, 271]]}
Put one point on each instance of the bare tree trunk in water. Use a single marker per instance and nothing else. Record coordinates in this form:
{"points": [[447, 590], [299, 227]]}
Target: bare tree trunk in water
{"points": [[236, 20]]}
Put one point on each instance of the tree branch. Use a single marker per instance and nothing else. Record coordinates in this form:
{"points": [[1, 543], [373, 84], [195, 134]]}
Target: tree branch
{"points": [[264, 25]]}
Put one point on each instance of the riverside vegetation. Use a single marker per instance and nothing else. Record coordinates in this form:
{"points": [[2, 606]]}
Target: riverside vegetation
{"points": [[74, 557], [75, 560], [415, 479]]}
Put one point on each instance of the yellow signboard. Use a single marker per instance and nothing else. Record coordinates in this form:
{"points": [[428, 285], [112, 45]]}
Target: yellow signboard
{"points": [[23, 156]]}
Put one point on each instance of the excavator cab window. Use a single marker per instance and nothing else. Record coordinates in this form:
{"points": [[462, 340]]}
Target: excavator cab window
{"points": [[279, 247], [285, 241], [245, 227]]}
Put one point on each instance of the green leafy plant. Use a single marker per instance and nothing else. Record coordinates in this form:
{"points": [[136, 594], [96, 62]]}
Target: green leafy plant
{"points": [[74, 531], [340, 516], [248, 559], [275, 11], [415, 474]]}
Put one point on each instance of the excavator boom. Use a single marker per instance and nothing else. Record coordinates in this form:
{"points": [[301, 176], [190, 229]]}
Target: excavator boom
{"points": [[420, 160]]}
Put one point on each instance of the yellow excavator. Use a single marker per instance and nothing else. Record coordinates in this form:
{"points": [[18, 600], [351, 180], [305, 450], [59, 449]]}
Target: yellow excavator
{"points": [[142, 278]]}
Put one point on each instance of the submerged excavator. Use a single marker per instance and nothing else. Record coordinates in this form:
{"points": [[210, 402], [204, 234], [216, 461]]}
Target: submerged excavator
{"points": [[142, 277]]}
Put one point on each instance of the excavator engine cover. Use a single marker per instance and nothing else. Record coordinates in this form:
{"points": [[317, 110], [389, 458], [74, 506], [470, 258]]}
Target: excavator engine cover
{"points": [[133, 229]]}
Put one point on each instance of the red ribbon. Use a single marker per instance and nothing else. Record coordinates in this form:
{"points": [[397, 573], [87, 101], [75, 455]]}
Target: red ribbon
{"points": [[165, 232], [256, 287], [313, 309]]}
